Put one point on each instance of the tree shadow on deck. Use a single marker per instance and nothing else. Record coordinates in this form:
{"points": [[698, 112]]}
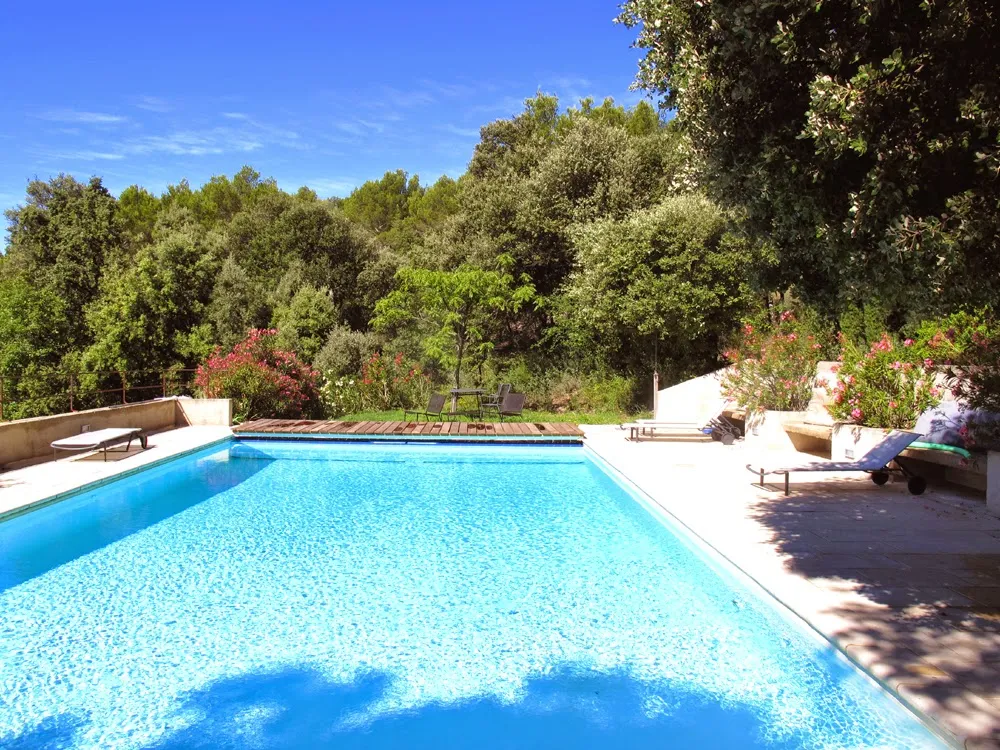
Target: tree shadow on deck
{"points": [[920, 578]]}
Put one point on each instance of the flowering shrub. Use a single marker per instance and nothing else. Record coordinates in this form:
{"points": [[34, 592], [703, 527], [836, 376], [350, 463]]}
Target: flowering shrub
{"points": [[262, 380], [888, 386], [773, 365], [392, 383], [341, 396]]}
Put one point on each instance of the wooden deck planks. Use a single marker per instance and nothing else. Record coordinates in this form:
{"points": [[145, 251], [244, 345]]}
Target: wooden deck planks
{"points": [[451, 429]]}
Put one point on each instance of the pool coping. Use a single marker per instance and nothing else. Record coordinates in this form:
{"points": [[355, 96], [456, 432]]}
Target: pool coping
{"points": [[731, 567], [97, 483]]}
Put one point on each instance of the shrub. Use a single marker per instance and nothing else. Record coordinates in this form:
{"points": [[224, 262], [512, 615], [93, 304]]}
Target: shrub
{"points": [[262, 380], [773, 365], [345, 351], [392, 383], [341, 396], [887, 386]]}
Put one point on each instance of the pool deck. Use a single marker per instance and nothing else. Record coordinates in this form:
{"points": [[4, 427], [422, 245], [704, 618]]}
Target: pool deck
{"points": [[499, 430], [21, 489], [909, 587]]}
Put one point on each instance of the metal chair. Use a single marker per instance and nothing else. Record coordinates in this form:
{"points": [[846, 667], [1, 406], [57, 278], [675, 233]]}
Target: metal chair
{"points": [[512, 405], [435, 408]]}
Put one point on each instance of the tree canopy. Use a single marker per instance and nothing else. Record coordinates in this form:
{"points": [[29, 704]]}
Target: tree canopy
{"points": [[861, 138]]}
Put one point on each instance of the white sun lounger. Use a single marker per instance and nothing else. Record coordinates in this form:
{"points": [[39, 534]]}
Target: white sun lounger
{"points": [[719, 425], [875, 462], [100, 440]]}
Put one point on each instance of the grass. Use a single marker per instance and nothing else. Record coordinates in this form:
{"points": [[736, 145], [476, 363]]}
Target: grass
{"points": [[576, 417]]}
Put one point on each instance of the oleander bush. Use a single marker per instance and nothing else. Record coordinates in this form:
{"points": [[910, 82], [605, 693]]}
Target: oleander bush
{"points": [[889, 385], [773, 363], [392, 383], [262, 380]]}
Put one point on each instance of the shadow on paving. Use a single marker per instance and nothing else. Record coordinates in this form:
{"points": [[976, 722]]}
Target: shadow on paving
{"points": [[929, 568]]}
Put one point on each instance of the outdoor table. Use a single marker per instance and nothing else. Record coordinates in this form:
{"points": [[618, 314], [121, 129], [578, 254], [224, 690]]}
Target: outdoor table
{"points": [[457, 393]]}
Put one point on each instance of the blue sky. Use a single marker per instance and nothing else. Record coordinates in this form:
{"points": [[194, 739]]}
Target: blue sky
{"points": [[325, 94]]}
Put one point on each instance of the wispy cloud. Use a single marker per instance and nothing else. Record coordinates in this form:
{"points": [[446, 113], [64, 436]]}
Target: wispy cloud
{"points": [[154, 104], [88, 156], [359, 127], [448, 89], [235, 116], [463, 132], [406, 98], [88, 118], [194, 143]]}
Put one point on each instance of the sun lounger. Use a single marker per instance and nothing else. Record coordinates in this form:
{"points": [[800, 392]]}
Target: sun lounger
{"points": [[100, 440], [716, 427], [875, 462]]}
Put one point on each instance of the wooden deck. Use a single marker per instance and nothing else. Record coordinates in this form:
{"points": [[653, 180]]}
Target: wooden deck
{"points": [[500, 430]]}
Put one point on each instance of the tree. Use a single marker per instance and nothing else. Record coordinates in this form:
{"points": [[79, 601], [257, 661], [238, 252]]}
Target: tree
{"points": [[303, 324], [378, 204], [237, 304], [670, 273], [149, 307], [861, 138], [456, 310], [61, 238]]}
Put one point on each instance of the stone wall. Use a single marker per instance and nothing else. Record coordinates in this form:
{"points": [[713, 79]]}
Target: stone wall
{"points": [[26, 439]]}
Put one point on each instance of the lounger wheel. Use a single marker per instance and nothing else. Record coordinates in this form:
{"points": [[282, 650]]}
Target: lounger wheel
{"points": [[880, 477], [916, 485], [728, 438]]}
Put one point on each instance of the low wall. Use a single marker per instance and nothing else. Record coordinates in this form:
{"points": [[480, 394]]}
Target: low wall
{"points": [[691, 399], [26, 439], [203, 411]]}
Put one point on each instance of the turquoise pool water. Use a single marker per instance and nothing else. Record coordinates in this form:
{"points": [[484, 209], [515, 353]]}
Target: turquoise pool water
{"points": [[286, 595]]}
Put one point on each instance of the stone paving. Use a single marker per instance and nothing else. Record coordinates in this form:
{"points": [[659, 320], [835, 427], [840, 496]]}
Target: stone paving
{"points": [[908, 586], [24, 487]]}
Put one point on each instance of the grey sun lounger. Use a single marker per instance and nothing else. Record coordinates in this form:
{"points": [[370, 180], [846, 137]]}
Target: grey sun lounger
{"points": [[875, 462], [101, 440]]}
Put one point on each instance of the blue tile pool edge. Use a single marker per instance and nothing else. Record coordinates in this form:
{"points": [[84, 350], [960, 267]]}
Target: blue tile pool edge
{"points": [[718, 559], [132, 471]]}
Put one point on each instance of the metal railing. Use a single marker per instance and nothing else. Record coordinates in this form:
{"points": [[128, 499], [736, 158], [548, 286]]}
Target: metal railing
{"points": [[73, 391]]}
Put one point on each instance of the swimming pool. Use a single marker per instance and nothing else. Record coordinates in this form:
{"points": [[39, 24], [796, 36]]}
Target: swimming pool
{"points": [[276, 594]]}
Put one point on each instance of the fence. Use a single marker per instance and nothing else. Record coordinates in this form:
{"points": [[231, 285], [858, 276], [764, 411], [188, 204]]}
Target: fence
{"points": [[55, 392]]}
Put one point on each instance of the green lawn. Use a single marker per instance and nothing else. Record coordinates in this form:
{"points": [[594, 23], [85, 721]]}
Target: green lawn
{"points": [[575, 417]]}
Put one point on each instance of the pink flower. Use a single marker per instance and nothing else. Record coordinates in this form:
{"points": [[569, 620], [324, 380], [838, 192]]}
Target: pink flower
{"points": [[792, 336], [928, 363], [748, 328], [892, 404], [908, 342], [786, 315], [896, 365], [856, 414]]}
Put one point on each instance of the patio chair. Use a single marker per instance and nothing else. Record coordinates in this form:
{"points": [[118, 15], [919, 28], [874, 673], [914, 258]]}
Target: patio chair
{"points": [[101, 440], [493, 401], [512, 405], [875, 462], [435, 408]]}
